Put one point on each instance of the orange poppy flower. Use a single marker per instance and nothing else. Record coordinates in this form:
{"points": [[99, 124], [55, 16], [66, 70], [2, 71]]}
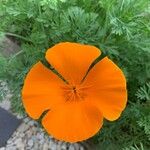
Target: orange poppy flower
{"points": [[76, 109]]}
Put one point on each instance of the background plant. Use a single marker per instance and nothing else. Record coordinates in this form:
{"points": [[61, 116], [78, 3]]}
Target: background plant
{"points": [[120, 28]]}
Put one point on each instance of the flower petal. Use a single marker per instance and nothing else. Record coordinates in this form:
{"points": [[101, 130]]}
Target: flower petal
{"points": [[108, 88], [73, 122], [41, 90], [72, 60]]}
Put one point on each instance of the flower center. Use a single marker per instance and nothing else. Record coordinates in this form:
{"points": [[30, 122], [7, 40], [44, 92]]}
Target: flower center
{"points": [[74, 92], [74, 89]]}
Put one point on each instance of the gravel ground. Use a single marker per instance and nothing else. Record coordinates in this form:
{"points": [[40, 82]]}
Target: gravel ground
{"points": [[29, 135]]}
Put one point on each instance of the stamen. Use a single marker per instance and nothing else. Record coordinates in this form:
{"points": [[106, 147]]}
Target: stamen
{"points": [[73, 93], [74, 89]]}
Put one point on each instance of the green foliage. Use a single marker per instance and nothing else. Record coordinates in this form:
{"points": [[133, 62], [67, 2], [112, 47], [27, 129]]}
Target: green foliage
{"points": [[120, 28], [143, 93], [135, 147], [3, 64]]}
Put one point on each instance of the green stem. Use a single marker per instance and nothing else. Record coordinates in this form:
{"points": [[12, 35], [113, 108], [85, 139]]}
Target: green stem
{"points": [[17, 36]]}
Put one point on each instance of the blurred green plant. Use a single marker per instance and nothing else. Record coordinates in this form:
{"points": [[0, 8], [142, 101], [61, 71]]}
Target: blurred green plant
{"points": [[143, 93], [120, 28], [135, 147]]}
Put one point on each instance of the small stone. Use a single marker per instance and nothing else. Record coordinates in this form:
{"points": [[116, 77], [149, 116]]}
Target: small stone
{"points": [[23, 128], [28, 148], [60, 142], [58, 147], [77, 147], [40, 146], [30, 143], [71, 147], [81, 148], [52, 145], [40, 135], [45, 146], [63, 146], [21, 135], [12, 139], [16, 134], [18, 141], [5, 104], [20, 145], [26, 120], [10, 148], [34, 138], [41, 141], [31, 123], [9, 141], [19, 116], [36, 146], [28, 133]]}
